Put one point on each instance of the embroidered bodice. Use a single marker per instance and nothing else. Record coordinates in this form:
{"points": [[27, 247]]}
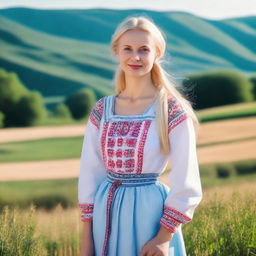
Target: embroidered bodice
{"points": [[130, 144]]}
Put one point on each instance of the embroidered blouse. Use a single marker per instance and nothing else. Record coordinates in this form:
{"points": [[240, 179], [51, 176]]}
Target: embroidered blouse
{"points": [[128, 143]]}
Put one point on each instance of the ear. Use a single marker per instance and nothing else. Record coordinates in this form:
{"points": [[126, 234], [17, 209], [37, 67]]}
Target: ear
{"points": [[116, 54], [157, 54]]}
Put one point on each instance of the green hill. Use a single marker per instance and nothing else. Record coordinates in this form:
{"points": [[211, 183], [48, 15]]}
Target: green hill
{"points": [[60, 51]]}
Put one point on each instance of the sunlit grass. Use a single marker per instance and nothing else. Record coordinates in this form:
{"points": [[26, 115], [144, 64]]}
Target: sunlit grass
{"points": [[223, 225]]}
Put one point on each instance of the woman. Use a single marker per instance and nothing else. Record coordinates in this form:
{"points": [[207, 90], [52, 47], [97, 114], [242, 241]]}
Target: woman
{"points": [[128, 141]]}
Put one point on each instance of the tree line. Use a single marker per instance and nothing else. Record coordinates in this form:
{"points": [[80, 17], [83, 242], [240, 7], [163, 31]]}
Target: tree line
{"points": [[20, 106]]}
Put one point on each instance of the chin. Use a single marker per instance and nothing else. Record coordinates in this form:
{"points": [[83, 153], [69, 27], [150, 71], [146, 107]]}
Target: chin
{"points": [[134, 74]]}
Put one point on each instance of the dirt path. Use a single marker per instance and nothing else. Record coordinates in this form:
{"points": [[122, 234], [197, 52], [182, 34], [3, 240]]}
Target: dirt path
{"points": [[68, 168], [227, 152], [223, 130], [40, 132], [56, 169]]}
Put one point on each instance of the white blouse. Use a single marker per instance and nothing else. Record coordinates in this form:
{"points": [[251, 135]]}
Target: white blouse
{"points": [[127, 144]]}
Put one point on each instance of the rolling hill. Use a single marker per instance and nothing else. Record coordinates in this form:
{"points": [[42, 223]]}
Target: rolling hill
{"points": [[61, 51]]}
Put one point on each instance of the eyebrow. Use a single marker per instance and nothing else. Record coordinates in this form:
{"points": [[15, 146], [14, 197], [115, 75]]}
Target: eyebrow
{"points": [[140, 46]]}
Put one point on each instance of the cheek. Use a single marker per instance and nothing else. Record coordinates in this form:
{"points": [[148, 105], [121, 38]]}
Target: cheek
{"points": [[150, 59], [124, 57]]}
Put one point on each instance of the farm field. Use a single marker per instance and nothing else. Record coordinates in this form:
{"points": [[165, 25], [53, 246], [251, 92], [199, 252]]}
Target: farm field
{"points": [[218, 141], [225, 208]]}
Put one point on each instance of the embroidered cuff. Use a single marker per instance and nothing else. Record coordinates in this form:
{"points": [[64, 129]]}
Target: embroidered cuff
{"points": [[172, 219], [86, 212]]}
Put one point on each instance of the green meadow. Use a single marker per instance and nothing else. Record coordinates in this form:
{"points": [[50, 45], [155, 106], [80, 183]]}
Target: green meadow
{"points": [[43, 218], [223, 224], [70, 147]]}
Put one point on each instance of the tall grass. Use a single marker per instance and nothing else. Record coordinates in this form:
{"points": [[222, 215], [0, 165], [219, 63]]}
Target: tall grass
{"points": [[223, 225], [39, 233], [17, 234]]}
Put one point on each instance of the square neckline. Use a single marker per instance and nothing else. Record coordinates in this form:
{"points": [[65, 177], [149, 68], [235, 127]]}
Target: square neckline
{"points": [[113, 101]]}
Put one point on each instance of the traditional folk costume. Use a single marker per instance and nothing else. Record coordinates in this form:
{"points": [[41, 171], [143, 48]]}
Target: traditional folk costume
{"points": [[118, 187]]}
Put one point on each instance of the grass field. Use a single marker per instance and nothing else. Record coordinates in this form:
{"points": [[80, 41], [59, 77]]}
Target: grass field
{"points": [[241, 130], [56, 150], [227, 112], [225, 212], [49, 191]]}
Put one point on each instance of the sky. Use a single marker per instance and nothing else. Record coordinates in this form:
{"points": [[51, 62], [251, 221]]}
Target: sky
{"points": [[211, 9]]}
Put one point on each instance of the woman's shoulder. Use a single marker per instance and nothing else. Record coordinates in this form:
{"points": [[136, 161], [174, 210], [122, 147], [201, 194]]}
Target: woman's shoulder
{"points": [[174, 105], [97, 111], [176, 113]]}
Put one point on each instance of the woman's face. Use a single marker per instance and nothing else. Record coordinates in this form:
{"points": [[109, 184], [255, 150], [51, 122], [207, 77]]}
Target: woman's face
{"points": [[136, 52]]}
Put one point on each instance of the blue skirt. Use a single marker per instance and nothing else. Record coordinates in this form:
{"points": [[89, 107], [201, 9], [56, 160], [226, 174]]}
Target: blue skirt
{"points": [[126, 215]]}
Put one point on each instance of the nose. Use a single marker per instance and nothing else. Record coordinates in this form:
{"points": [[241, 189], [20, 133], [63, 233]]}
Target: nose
{"points": [[136, 56]]}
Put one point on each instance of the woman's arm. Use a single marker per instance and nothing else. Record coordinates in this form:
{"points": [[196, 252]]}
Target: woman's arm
{"points": [[87, 245], [92, 173], [92, 169], [185, 192]]}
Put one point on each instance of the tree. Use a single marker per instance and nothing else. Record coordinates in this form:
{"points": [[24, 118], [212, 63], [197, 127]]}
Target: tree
{"points": [[1, 119], [62, 111], [19, 106], [81, 103], [30, 110], [253, 80], [218, 88]]}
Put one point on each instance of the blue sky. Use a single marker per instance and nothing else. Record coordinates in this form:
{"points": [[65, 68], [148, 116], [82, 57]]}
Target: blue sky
{"points": [[212, 9]]}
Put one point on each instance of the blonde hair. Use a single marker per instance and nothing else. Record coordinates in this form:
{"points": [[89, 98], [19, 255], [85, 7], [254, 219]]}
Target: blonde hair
{"points": [[159, 76]]}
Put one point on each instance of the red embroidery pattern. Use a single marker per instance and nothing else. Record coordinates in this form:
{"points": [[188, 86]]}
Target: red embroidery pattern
{"points": [[111, 193], [141, 145], [103, 143], [96, 113], [86, 212], [119, 142], [176, 114], [172, 218]]}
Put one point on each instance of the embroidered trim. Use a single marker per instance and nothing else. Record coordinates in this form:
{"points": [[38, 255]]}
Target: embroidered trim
{"points": [[119, 143], [103, 144], [141, 145], [176, 114], [96, 113], [111, 193], [172, 219], [86, 211]]}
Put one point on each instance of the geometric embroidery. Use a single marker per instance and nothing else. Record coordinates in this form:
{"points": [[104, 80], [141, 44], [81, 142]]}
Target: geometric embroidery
{"points": [[172, 218], [176, 114], [86, 211], [122, 145], [96, 112]]}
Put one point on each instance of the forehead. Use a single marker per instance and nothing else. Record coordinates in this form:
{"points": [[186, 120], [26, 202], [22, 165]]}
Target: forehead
{"points": [[136, 38]]}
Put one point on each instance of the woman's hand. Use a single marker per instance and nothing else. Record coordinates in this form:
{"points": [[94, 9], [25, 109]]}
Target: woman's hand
{"points": [[158, 246], [155, 247]]}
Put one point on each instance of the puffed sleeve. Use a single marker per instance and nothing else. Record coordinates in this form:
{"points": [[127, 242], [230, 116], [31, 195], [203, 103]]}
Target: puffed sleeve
{"points": [[92, 171], [185, 185]]}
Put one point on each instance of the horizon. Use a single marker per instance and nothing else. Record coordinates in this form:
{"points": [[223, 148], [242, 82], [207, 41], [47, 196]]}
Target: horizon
{"points": [[209, 10]]}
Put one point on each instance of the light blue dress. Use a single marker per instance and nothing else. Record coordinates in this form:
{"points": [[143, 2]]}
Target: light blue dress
{"points": [[118, 187]]}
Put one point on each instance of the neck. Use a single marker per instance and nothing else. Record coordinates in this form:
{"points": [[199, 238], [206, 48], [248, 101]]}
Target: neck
{"points": [[136, 87]]}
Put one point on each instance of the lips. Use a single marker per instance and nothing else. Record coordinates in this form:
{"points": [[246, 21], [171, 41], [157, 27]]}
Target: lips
{"points": [[135, 66]]}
